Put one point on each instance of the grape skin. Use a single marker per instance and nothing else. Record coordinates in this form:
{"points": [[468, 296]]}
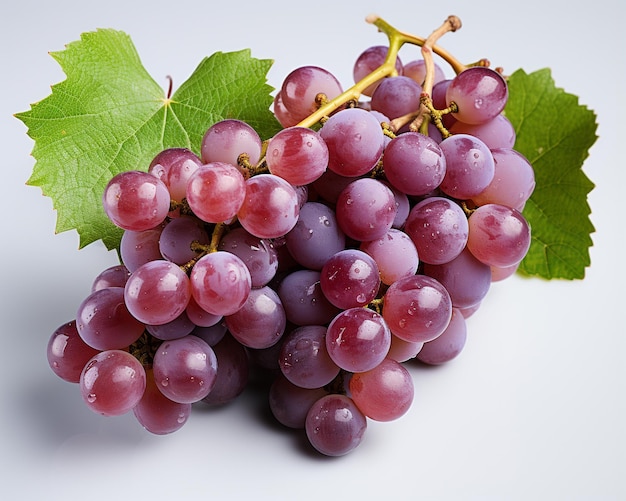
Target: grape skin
{"points": [[112, 382], [335, 425]]}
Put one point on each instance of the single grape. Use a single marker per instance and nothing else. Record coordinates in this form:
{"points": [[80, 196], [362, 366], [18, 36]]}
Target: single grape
{"points": [[174, 166], [185, 369], [304, 302], [358, 339], [67, 353], [470, 166], [438, 227], [350, 278], [215, 192], [261, 320], [480, 93], [316, 236], [220, 283], [395, 254], [112, 382], [299, 155], [366, 209], [157, 413], [498, 235], [140, 247], [304, 359], [417, 308], [301, 87], [136, 200], [157, 292], [334, 425], [355, 142], [113, 276], [290, 403], [396, 97], [383, 393], [414, 163], [227, 139], [270, 208], [175, 242], [104, 321]]}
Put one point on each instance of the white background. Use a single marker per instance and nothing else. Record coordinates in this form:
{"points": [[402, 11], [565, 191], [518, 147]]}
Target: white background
{"points": [[535, 406]]}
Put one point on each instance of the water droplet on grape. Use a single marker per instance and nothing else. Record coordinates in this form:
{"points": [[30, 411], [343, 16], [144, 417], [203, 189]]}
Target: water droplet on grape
{"points": [[91, 398], [361, 298], [478, 103], [165, 382], [181, 418]]}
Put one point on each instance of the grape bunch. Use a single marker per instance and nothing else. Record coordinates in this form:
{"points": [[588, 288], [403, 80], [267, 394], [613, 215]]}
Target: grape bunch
{"points": [[320, 261]]}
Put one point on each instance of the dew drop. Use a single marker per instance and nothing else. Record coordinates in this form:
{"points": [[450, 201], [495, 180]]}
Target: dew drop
{"points": [[165, 382], [91, 398]]}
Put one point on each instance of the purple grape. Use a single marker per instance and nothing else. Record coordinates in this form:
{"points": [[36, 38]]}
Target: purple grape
{"points": [[261, 320], [358, 339], [112, 382], [366, 209], [439, 229], [136, 200], [396, 97], [67, 353], [227, 139], [304, 359], [104, 321], [417, 308], [185, 369], [383, 393], [157, 413], [157, 292], [334, 425], [220, 283], [350, 278], [480, 93], [316, 236], [355, 142]]}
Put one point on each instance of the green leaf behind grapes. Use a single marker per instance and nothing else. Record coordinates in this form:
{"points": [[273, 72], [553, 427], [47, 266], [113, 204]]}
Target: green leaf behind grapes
{"points": [[555, 133], [110, 116]]}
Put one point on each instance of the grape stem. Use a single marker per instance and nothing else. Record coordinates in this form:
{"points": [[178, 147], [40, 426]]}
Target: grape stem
{"points": [[397, 39], [417, 119], [203, 249]]}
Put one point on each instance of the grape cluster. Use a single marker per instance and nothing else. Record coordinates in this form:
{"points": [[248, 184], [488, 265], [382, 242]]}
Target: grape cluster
{"points": [[323, 258]]}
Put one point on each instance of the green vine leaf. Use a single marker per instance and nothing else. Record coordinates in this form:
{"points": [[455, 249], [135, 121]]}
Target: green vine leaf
{"points": [[110, 116], [555, 133]]}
